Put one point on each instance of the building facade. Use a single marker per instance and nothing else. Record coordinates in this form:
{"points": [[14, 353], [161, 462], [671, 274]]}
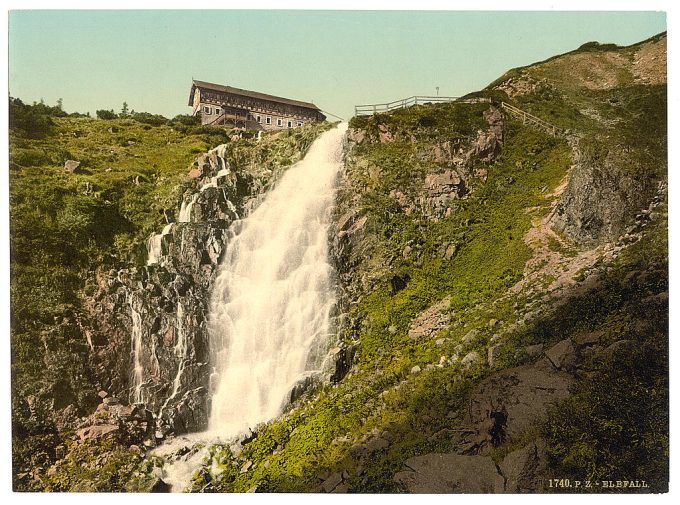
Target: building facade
{"points": [[242, 108]]}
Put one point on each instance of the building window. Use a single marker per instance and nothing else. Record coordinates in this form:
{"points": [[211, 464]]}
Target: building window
{"points": [[217, 110], [269, 120], [279, 122], [290, 124], [300, 123], [207, 110], [259, 118]]}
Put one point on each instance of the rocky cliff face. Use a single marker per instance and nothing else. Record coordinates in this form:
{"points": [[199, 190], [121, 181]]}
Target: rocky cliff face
{"points": [[149, 327], [452, 167]]}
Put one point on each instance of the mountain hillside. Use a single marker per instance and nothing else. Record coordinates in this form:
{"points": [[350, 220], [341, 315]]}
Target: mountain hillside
{"points": [[502, 315]]}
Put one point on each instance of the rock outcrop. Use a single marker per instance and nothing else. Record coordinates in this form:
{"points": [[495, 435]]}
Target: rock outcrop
{"points": [[603, 195]]}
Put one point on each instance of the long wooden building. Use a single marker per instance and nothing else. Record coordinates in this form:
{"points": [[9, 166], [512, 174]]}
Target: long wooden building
{"points": [[220, 105]]}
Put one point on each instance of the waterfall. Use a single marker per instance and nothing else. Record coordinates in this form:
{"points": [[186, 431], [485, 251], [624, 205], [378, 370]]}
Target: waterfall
{"points": [[269, 313], [186, 207], [180, 350], [273, 294], [153, 246], [136, 349]]}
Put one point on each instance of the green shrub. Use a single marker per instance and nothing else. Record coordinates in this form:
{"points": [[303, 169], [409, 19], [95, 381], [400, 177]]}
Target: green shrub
{"points": [[106, 114]]}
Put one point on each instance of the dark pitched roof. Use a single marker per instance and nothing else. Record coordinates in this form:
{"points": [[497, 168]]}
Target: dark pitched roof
{"points": [[245, 92]]}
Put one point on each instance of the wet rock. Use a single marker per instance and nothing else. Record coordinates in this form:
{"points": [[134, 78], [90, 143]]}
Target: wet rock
{"points": [[303, 385], [341, 358]]}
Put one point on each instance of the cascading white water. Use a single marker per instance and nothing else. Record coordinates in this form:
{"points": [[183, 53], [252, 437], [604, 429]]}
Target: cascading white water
{"points": [[136, 348], [180, 351], [186, 207], [270, 308], [153, 245], [274, 293]]}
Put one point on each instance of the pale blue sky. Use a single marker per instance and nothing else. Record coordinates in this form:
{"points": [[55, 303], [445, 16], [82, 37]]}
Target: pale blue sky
{"points": [[98, 59]]}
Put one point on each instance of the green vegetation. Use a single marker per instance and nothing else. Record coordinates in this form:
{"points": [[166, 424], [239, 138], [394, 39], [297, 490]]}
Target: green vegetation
{"points": [[615, 424], [488, 227], [64, 226]]}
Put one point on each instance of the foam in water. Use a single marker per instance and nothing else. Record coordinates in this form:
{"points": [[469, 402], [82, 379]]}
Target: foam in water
{"points": [[274, 293]]}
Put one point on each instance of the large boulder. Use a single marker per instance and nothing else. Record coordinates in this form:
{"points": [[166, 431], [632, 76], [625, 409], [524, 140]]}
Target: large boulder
{"points": [[603, 195], [450, 473], [522, 394], [521, 471]]}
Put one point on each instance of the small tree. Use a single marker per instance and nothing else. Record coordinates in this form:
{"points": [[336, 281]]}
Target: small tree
{"points": [[60, 104], [124, 110]]}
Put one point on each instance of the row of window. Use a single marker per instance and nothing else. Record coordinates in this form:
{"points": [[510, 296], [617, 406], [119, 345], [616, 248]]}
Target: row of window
{"points": [[268, 119], [279, 121]]}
